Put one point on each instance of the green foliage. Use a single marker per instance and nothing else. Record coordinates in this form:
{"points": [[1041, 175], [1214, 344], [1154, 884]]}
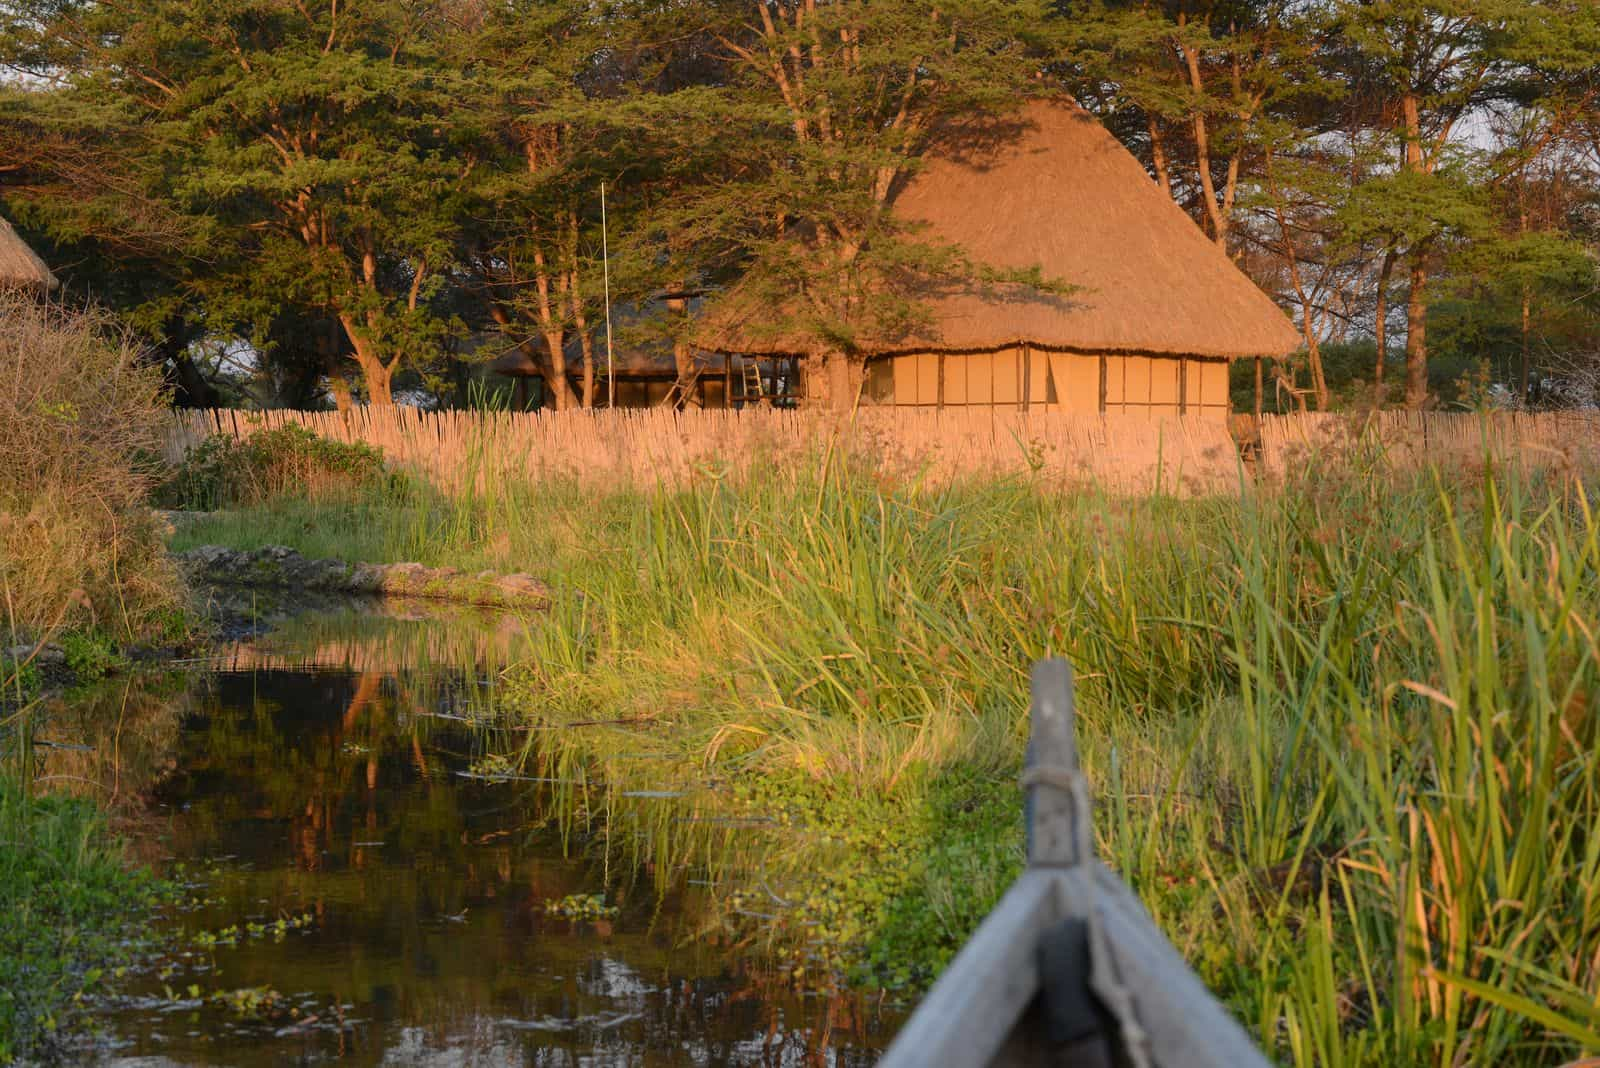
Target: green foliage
{"points": [[91, 655], [68, 907], [289, 461], [367, 187], [20, 681], [581, 907]]}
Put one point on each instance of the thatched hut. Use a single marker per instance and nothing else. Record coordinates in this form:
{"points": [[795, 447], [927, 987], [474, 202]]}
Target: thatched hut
{"points": [[20, 266], [1160, 312]]}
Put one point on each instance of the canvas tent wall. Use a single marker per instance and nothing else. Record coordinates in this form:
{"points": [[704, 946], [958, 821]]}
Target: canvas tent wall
{"points": [[1159, 308], [1026, 378]]}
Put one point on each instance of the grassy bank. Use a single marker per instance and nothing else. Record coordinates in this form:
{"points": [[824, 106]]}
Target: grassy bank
{"points": [[67, 902], [83, 575], [1343, 737]]}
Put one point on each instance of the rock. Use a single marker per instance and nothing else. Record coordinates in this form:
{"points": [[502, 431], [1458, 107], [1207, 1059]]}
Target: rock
{"points": [[48, 655], [281, 567]]}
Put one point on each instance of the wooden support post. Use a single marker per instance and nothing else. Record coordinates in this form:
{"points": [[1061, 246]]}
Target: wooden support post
{"points": [[1057, 803]]}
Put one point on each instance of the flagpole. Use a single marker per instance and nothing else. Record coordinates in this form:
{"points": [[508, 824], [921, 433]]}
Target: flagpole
{"points": [[605, 260]]}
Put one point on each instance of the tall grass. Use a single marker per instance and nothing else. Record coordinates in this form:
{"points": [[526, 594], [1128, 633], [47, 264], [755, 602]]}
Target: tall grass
{"points": [[1343, 735], [81, 418]]}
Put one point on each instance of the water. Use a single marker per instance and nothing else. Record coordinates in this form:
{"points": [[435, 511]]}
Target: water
{"points": [[363, 890]]}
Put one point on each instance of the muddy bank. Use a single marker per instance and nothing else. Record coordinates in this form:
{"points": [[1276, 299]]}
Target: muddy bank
{"points": [[278, 567]]}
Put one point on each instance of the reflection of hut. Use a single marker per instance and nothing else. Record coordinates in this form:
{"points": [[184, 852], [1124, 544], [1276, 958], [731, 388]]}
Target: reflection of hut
{"points": [[20, 266], [1160, 312]]}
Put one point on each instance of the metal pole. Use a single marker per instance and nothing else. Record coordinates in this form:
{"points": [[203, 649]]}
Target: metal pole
{"points": [[605, 261]]}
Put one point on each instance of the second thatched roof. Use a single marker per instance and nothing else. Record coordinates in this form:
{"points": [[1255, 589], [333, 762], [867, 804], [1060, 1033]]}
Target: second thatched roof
{"points": [[1056, 191], [20, 266]]}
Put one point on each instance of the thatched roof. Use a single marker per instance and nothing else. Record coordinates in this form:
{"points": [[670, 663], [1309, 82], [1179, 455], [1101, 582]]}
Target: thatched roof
{"points": [[20, 266], [1058, 192]]}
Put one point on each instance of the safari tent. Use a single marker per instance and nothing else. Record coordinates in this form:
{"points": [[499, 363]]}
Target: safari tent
{"points": [[20, 266], [1159, 310]]}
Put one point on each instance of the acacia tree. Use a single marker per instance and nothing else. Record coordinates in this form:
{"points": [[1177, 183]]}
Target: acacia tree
{"points": [[322, 137], [836, 102], [1434, 64], [1191, 84], [577, 102], [74, 174]]}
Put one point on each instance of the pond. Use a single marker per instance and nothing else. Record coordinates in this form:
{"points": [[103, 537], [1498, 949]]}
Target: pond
{"points": [[365, 883]]}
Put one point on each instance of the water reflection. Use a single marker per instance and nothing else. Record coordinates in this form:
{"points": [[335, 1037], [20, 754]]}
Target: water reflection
{"points": [[315, 779]]}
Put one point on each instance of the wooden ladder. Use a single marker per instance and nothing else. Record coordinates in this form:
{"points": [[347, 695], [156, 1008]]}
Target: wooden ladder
{"points": [[752, 381]]}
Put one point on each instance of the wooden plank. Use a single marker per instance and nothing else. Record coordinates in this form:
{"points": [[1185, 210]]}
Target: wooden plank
{"points": [[1182, 1022], [966, 1017]]}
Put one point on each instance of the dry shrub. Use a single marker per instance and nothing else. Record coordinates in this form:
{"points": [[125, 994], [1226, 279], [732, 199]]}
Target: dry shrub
{"points": [[81, 417]]}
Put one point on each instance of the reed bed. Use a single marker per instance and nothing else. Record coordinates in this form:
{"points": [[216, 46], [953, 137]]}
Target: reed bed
{"points": [[463, 450]]}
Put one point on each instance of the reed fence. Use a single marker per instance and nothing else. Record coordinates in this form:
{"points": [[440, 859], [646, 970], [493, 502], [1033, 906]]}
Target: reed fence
{"points": [[1453, 441], [459, 450], [1186, 456]]}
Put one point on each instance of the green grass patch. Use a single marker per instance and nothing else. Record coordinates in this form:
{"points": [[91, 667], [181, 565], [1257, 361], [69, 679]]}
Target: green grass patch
{"points": [[68, 905]]}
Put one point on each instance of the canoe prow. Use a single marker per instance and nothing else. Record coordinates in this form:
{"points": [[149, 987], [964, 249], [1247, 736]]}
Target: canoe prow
{"points": [[1068, 969]]}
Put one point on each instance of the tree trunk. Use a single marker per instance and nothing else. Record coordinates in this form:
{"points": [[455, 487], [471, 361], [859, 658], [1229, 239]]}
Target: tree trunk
{"points": [[528, 348], [1417, 331], [581, 325], [376, 375], [1527, 336], [1158, 156], [339, 386], [1527, 290], [555, 337], [1308, 313], [682, 355], [195, 392], [1381, 328], [560, 387], [834, 381], [1417, 298], [1202, 148], [1308, 327]]}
